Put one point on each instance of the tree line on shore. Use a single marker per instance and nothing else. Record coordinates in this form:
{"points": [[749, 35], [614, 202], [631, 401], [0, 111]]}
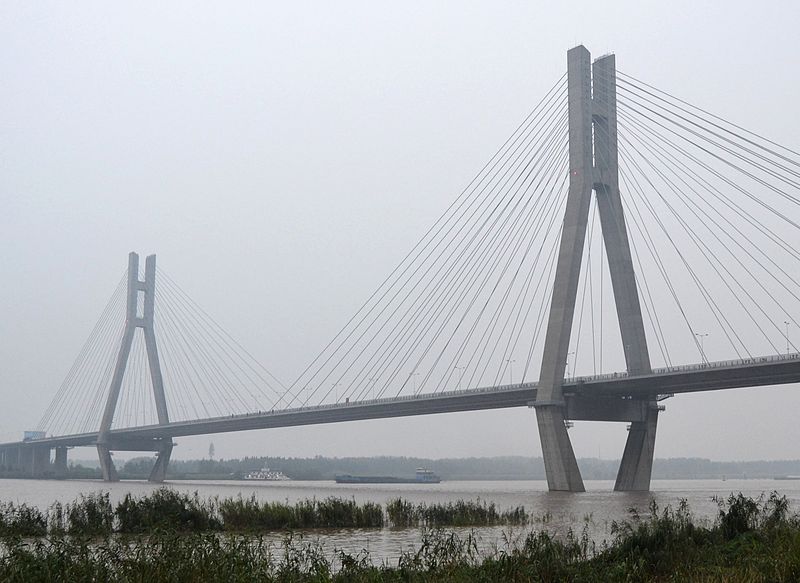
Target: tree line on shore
{"points": [[483, 468]]}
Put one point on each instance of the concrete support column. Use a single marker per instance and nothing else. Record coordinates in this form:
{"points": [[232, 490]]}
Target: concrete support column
{"points": [[159, 472], [150, 339], [25, 460], [560, 464], [636, 466], [41, 461], [60, 463], [107, 468], [637, 458], [106, 462]]}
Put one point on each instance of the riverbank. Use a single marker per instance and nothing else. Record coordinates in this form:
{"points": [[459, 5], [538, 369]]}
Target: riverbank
{"points": [[750, 540]]}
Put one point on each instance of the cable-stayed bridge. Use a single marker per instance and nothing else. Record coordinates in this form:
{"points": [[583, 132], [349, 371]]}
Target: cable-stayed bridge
{"points": [[618, 229]]}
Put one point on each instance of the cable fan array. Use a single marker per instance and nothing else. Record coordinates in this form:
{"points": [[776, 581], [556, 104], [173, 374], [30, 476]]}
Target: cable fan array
{"points": [[709, 210], [468, 303], [76, 407], [206, 373], [710, 206], [710, 213]]}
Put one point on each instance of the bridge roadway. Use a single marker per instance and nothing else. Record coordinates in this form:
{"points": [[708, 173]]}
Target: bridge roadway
{"points": [[623, 388]]}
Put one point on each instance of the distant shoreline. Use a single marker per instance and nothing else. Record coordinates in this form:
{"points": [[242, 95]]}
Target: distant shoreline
{"points": [[189, 478], [508, 468]]}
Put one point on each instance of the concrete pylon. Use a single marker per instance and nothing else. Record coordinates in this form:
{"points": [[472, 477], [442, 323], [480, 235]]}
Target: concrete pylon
{"points": [[560, 464], [140, 293], [637, 458], [593, 161]]}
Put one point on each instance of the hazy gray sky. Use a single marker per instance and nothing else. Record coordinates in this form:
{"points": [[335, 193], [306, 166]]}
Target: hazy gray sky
{"points": [[281, 159]]}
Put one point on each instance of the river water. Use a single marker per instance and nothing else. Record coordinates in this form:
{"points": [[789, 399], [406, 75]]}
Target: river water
{"points": [[594, 510]]}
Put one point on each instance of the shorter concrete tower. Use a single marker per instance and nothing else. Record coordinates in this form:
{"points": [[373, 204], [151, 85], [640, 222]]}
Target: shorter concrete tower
{"points": [[140, 313]]}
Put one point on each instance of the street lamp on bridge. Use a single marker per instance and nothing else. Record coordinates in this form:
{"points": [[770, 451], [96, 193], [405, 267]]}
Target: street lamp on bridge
{"points": [[373, 381], [460, 375], [509, 363], [787, 337], [567, 362], [701, 336]]}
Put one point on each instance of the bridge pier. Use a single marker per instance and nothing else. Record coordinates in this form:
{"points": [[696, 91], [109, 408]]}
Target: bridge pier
{"points": [[159, 472], [41, 461], [60, 463], [16, 462], [25, 460], [107, 468], [636, 466], [161, 446], [13, 459], [34, 460], [560, 465]]}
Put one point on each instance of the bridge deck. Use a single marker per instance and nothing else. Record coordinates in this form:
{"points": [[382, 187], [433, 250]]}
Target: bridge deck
{"points": [[774, 370]]}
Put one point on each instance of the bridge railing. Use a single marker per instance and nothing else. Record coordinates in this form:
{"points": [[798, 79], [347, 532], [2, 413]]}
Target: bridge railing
{"points": [[692, 367]]}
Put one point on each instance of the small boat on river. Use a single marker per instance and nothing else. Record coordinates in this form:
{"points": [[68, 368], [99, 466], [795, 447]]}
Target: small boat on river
{"points": [[267, 475]]}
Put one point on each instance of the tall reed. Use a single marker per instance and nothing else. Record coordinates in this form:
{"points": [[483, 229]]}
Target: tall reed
{"points": [[21, 520], [249, 514], [166, 509], [459, 513]]}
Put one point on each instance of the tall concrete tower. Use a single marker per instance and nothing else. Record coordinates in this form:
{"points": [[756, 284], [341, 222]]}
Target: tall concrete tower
{"points": [[593, 161]]}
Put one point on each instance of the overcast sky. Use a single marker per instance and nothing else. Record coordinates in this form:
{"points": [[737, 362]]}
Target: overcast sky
{"points": [[281, 158]]}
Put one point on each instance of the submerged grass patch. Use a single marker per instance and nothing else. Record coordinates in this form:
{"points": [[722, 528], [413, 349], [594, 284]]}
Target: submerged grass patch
{"points": [[168, 509], [459, 513], [248, 514], [93, 515]]}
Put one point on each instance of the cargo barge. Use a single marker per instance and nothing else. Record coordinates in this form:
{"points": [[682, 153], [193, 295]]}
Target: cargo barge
{"points": [[422, 476]]}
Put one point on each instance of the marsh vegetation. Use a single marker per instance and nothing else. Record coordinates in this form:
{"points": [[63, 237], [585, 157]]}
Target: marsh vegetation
{"points": [[750, 540], [168, 509]]}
